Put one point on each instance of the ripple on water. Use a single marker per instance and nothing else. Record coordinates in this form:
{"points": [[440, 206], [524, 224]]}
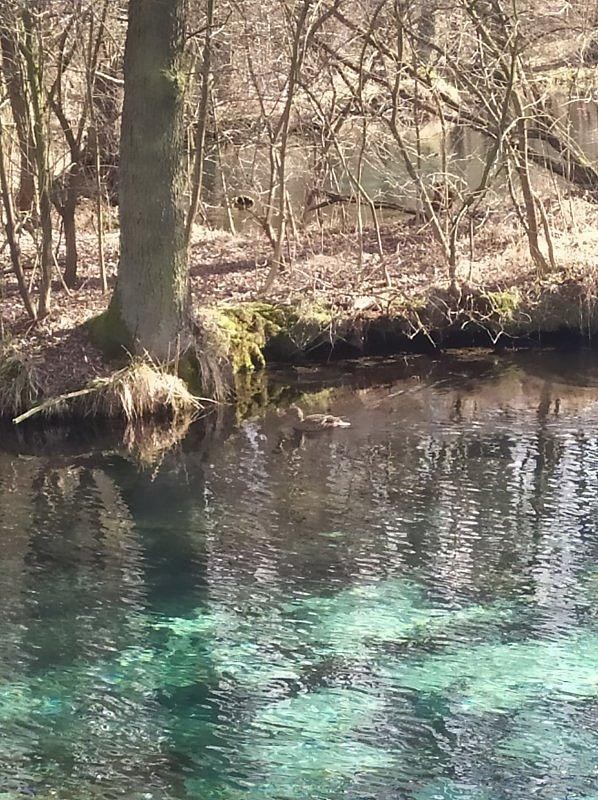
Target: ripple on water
{"points": [[403, 609]]}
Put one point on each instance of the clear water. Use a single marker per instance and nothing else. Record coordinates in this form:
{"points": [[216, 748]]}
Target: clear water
{"points": [[383, 174], [404, 609]]}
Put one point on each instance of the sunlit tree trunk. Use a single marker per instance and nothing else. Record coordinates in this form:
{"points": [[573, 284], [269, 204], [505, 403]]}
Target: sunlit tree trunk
{"points": [[202, 119], [10, 230], [149, 308], [34, 61], [11, 67]]}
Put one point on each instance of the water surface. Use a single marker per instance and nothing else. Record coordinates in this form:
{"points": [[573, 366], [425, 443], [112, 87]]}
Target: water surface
{"points": [[246, 168], [404, 609]]}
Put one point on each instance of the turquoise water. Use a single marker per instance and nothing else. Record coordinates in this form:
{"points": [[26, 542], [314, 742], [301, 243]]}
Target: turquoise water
{"points": [[403, 609]]}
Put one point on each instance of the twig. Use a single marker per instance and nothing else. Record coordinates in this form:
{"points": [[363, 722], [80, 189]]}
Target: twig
{"points": [[52, 402]]}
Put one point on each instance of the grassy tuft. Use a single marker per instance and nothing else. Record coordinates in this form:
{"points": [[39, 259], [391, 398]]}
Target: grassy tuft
{"points": [[140, 390], [20, 385]]}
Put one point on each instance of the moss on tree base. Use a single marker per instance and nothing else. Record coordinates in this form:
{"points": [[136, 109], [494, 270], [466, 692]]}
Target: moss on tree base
{"points": [[109, 333]]}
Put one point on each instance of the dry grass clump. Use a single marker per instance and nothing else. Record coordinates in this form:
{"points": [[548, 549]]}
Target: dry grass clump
{"points": [[20, 385], [139, 391], [503, 253]]}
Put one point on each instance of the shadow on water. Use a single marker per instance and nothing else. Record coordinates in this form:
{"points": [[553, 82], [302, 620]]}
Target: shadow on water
{"points": [[405, 608]]}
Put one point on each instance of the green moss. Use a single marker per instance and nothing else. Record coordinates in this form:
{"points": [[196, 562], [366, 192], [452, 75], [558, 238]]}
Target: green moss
{"points": [[189, 371], [251, 394], [175, 79], [305, 326], [406, 305], [254, 393], [240, 334], [316, 401], [109, 333], [504, 304], [248, 330]]}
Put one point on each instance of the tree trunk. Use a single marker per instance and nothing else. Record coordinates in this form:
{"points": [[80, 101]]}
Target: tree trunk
{"points": [[149, 310], [202, 119], [34, 61], [67, 214], [11, 235], [18, 103]]}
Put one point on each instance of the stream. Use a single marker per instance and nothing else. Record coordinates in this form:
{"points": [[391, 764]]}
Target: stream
{"points": [[405, 609]]}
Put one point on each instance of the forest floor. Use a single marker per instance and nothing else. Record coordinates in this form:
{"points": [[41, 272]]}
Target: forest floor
{"points": [[330, 270]]}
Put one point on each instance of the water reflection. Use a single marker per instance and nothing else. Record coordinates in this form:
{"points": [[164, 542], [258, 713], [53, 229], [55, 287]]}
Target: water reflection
{"points": [[406, 608]]}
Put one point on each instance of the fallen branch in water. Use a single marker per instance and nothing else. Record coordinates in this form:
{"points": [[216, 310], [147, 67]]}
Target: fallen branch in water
{"points": [[51, 403]]}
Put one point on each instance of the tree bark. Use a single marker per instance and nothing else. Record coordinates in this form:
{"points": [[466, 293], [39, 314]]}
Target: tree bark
{"points": [[202, 119], [149, 309], [18, 103], [34, 62], [11, 235], [67, 214]]}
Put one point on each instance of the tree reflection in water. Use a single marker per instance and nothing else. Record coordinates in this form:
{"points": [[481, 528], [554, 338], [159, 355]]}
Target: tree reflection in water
{"points": [[404, 608]]}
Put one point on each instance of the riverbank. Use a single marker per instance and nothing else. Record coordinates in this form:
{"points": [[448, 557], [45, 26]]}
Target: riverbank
{"points": [[333, 301]]}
